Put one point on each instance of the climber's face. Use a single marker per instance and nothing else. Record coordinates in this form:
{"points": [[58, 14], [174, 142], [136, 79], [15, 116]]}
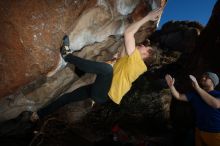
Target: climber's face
{"points": [[144, 51]]}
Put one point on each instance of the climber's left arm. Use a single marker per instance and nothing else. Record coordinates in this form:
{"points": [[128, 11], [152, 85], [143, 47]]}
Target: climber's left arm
{"points": [[133, 28]]}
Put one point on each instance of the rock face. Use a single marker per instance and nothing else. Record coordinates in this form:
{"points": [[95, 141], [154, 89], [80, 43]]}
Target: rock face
{"points": [[205, 56], [30, 37], [178, 36], [31, 34]]}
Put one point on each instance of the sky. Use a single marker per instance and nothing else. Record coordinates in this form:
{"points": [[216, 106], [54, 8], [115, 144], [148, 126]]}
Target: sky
{"points": [[196, 10]]}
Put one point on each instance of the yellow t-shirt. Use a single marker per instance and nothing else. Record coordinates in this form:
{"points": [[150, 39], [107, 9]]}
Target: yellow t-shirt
{"points": [[125, 71]]}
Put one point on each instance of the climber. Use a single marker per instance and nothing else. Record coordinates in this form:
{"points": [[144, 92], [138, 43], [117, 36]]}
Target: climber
{"points": [[206, 104], [111, 82]]}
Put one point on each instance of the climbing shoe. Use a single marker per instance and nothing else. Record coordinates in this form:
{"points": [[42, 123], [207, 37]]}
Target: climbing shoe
{"points": [[65, 50]]}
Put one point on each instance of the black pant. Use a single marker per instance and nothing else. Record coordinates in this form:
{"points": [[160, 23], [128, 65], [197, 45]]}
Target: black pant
{"points": [[98, 91]]}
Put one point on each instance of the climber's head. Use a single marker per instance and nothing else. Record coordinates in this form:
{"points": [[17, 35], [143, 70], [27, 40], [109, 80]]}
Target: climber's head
{"points": [[148, 53]]}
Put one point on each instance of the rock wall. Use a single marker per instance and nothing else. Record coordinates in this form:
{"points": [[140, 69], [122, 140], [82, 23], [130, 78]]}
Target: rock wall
{"points": [[31, 70], [31, 33], [178, 36], [205, 56]]}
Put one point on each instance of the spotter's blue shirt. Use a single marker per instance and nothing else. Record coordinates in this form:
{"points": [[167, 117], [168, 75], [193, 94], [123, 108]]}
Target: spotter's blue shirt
{"points": [[207, 117]]}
